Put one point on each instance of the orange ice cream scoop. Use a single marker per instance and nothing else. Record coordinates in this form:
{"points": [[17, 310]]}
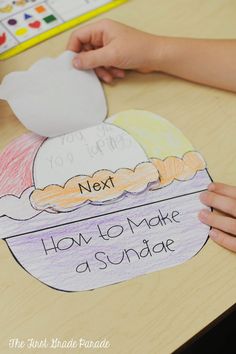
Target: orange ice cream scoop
{"points": [[103, 186], [178, 168]]}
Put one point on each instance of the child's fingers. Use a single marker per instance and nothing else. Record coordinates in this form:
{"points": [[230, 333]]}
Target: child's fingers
{"points": [[223, 239], [104, 75], [217, 201], [108, 74], [74, 43], [92, 34], [117, 73], [93, 59], [223, 189], [220, 222]]}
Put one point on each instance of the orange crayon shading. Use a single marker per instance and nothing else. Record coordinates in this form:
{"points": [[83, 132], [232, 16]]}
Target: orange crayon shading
{"points": [[180, 169], [104, 185]]}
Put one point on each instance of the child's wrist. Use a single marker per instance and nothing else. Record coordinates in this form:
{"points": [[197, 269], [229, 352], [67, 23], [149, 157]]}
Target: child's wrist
{"points": [[157, 54]]}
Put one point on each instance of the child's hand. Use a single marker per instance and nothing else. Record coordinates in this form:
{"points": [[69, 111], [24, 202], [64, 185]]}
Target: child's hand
{"points": [[223, 198], [110, 47]]}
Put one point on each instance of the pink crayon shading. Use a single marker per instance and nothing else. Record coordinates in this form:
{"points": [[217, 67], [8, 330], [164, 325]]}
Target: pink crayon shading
{"points": [[16, 164]]}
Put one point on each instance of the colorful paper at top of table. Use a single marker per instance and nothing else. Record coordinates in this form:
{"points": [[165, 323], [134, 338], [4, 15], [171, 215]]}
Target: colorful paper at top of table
{"points": [[25, 23]]}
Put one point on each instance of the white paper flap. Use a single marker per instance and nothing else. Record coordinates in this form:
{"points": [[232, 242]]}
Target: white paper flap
{"points": [[53, 98]]}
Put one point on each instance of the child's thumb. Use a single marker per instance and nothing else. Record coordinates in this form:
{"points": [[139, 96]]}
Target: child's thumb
{"points": [[91, 59]]}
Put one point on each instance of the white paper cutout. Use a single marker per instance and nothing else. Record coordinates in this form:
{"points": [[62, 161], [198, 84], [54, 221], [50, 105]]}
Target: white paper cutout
{"points": [[84, 152], [52, 98], [18, 207], [74, 246]]}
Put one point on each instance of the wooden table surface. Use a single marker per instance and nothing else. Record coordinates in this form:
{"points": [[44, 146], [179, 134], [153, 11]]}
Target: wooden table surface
{"points": [[158, 312]]}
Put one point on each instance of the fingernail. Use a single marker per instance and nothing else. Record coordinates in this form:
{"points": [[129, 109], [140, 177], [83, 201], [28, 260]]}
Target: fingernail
{"points": [[107, 79], [211, 187], [120, 75], [213, 234], [203, 215], [76, 63]]}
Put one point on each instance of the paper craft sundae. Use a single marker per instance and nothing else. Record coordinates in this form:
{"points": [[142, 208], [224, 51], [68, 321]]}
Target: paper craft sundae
{"points": [[102, 204]]}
